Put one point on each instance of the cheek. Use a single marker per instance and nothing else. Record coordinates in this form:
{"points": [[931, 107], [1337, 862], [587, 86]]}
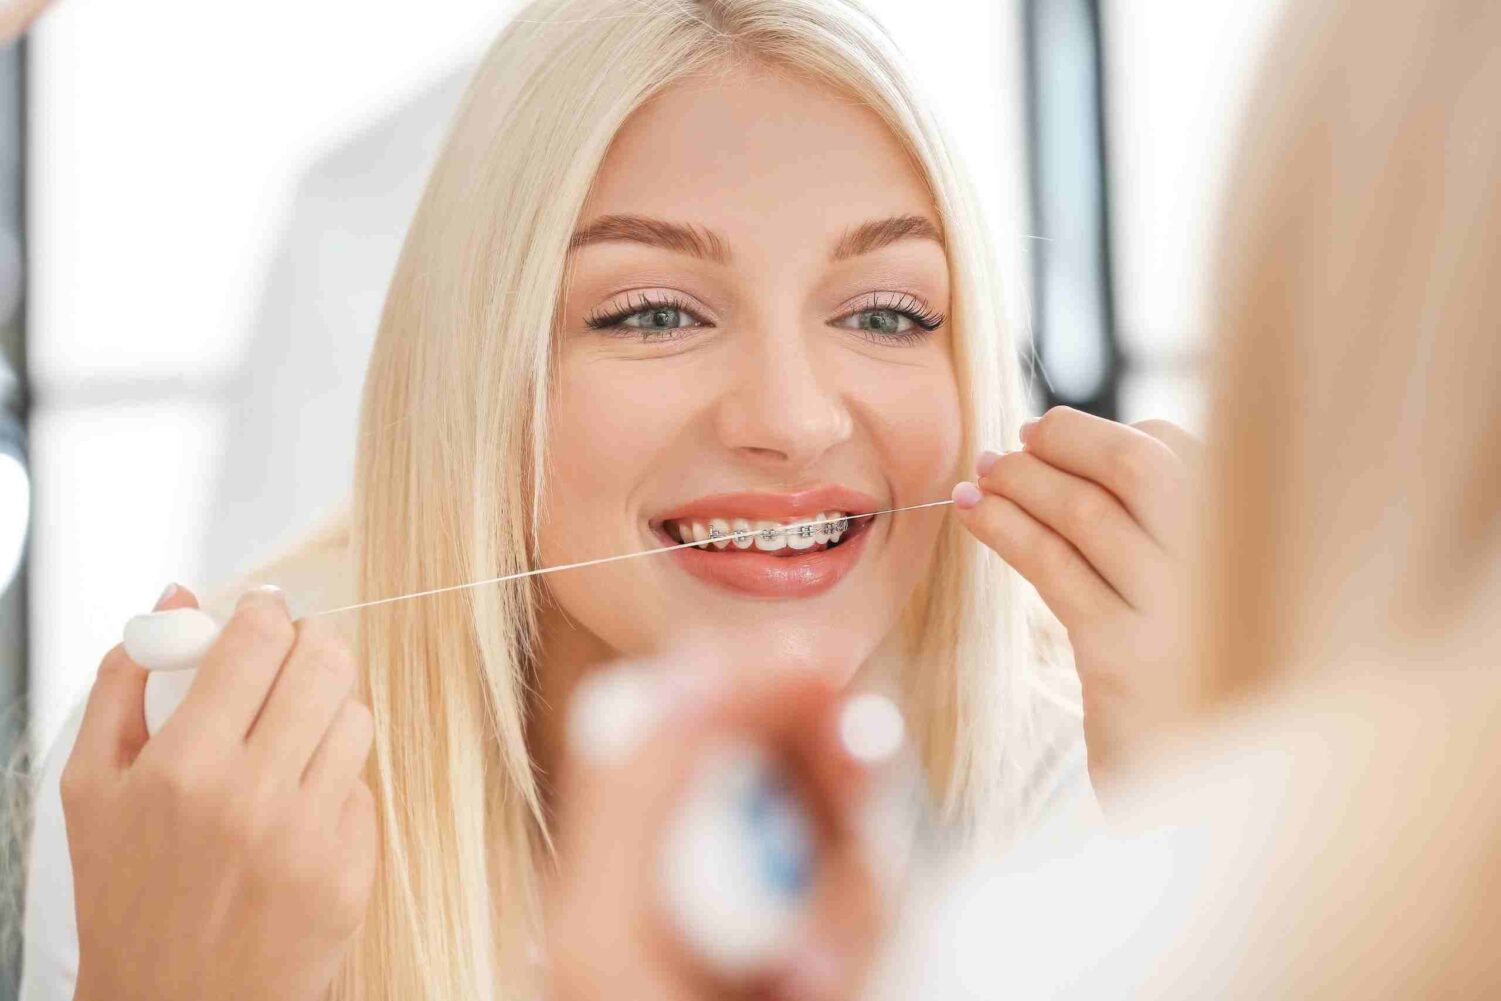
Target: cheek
{"points": [[607, 425], [914, 419]]}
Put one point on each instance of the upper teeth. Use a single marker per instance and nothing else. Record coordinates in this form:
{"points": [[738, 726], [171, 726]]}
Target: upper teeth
{"points": [[767, 536]]}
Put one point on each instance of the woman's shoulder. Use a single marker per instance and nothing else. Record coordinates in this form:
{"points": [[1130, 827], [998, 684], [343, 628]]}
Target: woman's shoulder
{"points": [[1059, 772], [316, 572]]}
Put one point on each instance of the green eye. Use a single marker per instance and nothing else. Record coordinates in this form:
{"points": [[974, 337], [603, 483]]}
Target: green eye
{"points": [[658, 318], [892, 319], [881, 321], [648, 319]]}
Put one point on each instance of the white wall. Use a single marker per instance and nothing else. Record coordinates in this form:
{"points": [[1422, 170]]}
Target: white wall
{"points": [[1178, 74], [218, 191], [217, 194]]}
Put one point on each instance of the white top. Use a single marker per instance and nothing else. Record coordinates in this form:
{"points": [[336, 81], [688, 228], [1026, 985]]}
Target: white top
{"points": [[49, 970], [49, 957]]}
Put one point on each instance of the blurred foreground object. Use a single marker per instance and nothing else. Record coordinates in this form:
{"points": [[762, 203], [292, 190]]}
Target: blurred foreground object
{"points": [[16, 16], [1330, 827], [727, 828]]}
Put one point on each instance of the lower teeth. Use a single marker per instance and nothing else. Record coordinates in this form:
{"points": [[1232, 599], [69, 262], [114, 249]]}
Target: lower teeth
{"points": [[708, 546]]}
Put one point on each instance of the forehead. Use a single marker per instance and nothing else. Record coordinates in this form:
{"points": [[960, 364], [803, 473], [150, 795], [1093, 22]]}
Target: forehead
{"points": [[749, 147]]}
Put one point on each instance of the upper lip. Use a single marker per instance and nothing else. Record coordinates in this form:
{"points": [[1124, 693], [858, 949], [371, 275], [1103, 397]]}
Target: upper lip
{"points": [[780, 507]]}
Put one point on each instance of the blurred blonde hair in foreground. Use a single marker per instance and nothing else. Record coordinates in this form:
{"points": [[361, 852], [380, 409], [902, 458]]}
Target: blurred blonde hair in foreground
{"points": [[1330, 826], [1362, 351], [1352, 583]]}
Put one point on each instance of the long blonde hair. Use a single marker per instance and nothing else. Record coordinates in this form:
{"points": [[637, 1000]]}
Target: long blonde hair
{"points": [[1359, 485], [452, 473]]}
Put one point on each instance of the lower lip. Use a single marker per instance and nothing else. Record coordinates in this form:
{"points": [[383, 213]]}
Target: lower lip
{"points": [[761, 575]]}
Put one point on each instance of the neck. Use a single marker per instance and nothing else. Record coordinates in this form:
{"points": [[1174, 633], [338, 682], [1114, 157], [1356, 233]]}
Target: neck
{"points": [[568, 652]]}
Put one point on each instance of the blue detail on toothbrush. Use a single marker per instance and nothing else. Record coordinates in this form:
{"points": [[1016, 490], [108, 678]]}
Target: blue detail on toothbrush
{"points": [[780, 835]]}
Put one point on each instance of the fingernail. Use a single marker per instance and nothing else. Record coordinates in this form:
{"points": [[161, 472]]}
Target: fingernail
{"points": [[871, 729], [966, 495], [1027, 431], [985, 461], [170, 590], [269, 590]]}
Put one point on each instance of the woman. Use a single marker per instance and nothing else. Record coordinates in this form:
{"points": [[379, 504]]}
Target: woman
{"points": [[678, 266]]}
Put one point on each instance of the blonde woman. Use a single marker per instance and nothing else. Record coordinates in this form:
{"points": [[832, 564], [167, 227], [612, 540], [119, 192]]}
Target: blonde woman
{"points": [[682, 268]]}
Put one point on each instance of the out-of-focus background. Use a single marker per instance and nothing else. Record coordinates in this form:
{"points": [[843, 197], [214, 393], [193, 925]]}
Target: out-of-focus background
{"points": [[200, 205]]}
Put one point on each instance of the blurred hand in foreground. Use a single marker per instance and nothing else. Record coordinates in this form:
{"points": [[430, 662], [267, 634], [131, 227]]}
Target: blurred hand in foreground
{"points": [[608, 934]]}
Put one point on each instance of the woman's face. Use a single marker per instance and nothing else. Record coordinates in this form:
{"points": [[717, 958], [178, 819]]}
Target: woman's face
{"points": [[753, 334]]}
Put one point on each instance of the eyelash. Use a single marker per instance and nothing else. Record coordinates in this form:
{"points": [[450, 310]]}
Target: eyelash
{"points": [[644, 304], [904, 304]]}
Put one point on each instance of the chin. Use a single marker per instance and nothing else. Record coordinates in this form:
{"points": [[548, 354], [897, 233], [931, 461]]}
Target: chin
{"points": [[786, 636]]}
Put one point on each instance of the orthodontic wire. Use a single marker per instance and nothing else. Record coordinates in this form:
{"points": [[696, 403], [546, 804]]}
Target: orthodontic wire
{"points": [[609, 559]]}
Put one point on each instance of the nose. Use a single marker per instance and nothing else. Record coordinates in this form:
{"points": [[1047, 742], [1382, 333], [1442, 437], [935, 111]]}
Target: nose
{"points": [[782, 407]]}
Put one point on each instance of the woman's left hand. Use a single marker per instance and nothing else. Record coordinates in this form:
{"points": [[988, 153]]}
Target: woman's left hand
{"points": [[1099, 517]]}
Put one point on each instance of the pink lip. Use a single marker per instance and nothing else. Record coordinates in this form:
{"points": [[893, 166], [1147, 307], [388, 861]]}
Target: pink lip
{"points": [[762, 575]]}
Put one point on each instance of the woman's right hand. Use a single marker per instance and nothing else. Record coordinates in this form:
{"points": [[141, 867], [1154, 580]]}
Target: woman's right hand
{"points": [[607, 931], [232, 854]]}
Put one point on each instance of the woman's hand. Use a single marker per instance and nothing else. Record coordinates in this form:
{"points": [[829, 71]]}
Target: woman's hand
{"points": [[608, 935], [231, 855], [1099, 517]]}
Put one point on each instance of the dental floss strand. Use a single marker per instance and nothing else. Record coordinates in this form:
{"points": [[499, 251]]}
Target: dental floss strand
{"points": [[169, 644], [610, 559]]}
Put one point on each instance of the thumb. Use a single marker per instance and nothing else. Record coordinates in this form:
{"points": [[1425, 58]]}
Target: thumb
{"points": [[175, 596], [113, 729]]}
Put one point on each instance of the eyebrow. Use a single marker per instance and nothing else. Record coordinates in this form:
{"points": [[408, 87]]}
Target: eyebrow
{"points": [[879, 233], [707, 245], [654, 233]]}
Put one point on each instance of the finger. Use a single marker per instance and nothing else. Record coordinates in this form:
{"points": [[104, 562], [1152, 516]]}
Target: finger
{"points": [[839, 937], [1141, 471], [314, 682], [1089, 517], [175, 596], [113, 729], [357, 810], [844, 912], [1064, 580], [341, 756], [1184, 445], [807, 736], [605, 812], [356, 835], [114, 719], [1072, 588], [792, 711], [237, 672]]}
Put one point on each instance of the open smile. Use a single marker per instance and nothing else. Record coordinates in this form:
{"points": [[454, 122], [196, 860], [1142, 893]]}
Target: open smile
{"points": [[770, 545]]}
